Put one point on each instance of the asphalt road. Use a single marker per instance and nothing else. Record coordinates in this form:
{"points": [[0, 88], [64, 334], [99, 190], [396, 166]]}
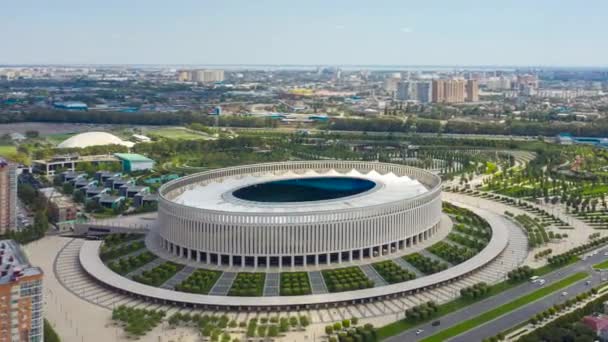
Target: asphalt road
{"points": [[516, 316]]}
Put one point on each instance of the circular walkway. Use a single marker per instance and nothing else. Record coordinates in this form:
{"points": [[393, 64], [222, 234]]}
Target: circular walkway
{"points": [[92, 264]]}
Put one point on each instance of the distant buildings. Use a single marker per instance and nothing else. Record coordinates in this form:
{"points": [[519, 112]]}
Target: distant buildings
{"points": [[455, 91], [472, 89], [406, 91], [72, 105], [448, 91], [8, 196], [203, 76], [391, 84], [21, 312], [424, 92]]}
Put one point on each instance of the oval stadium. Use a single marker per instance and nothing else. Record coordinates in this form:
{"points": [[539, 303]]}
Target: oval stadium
{"points": [[304, 213]]}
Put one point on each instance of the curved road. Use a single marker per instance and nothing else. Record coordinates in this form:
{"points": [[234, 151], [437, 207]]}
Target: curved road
{"points": [[514, 317]]}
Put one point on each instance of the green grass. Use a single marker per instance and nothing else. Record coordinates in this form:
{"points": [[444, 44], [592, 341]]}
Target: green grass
{"points": [[58, 138], [7, 150], [176, 133], [602, 265], [506, 308], [459, 303]]}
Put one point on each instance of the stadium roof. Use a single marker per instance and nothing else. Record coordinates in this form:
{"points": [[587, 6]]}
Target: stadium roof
{"points": [[212, 196], [93, 139]]}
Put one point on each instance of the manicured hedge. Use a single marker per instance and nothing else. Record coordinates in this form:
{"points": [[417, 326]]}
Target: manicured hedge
{"points": [[108, 253], [128, 264], [248, 285], [159, 274], [295, 284], [200, 281], [424, 264], [451, 253], [392, 273], [346, 279]]}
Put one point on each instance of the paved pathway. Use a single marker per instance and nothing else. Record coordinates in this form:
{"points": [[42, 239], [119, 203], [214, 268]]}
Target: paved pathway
{"points": [[317, 283], [222, 286], [154, 263], [178, 278], [371, 273], [408, 267], [271, 284]]}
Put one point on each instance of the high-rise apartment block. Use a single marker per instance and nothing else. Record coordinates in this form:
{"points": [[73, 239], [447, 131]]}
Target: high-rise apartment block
{"points": [[201, 76], [406, 91], [8, 196], [21, 315], [391, 84], [207, 76], [424, 92], [448, 91], [472, 91]]}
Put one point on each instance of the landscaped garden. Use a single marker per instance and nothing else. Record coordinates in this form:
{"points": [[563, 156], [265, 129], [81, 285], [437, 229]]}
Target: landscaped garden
{"points": [[137, 322], [393, 273], [125, 265], [451, 253], [294, 284], [159, 274], [248, 285], [112, 240], [108, 253], [200, 281], [346, 279], [424, 264]]}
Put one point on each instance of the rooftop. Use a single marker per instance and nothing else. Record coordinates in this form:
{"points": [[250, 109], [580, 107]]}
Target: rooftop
{"points": [[217, 195], [133, 157], [13, 263]]}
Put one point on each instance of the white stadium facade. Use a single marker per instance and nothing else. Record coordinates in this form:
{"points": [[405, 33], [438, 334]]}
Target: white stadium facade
{"points": [[247, 216]]}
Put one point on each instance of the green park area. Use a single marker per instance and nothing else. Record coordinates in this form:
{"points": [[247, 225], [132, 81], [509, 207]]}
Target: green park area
{"points": [[505, 308], [6, 150], [176, 133]]}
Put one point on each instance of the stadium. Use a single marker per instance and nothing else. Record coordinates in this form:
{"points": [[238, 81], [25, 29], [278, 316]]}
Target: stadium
{"points": [[304, 213]]}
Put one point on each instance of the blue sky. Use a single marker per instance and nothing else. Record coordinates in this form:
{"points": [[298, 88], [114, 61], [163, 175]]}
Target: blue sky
{"points": [[311, 32]]}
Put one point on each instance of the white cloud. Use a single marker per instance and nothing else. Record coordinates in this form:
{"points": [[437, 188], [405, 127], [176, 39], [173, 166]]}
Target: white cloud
{"points": [[406, 30]]}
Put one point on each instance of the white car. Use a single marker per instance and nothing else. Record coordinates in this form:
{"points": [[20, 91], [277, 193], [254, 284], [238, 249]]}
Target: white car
{"points": [[419, 331], [564, 293], [605, 253], [541, 282]]}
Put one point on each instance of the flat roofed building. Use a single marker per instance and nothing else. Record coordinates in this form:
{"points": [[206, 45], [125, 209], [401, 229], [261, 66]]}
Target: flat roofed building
{"points": [[21, 302], [68, 162], [134, 162]]}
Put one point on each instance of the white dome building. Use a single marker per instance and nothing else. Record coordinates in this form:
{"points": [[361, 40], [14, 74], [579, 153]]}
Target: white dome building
{"points": [[87, 139]]}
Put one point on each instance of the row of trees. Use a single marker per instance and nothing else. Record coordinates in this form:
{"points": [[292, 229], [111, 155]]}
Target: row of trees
{"points": [[421, 312], [413, 124], [475, 291], [520, 274], [565, 257]]}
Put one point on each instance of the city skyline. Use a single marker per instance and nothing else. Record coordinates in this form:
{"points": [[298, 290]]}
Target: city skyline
{"points": [[468, 33]]}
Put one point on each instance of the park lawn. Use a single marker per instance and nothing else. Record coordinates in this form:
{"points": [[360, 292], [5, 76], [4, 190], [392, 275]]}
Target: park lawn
{"points": [[505, 308], [175, 133], [602, 265], [6, 150], [58, 138], [460, 303]]}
